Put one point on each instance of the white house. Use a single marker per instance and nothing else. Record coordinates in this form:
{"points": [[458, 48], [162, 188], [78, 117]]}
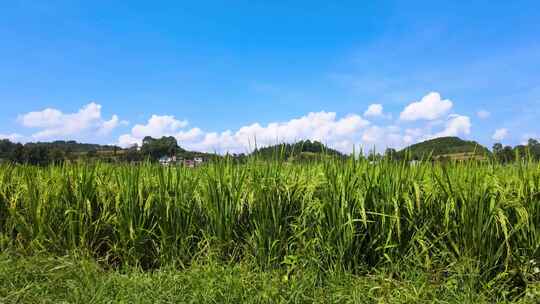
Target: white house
{"points": [[414, 162], [166, 160]]}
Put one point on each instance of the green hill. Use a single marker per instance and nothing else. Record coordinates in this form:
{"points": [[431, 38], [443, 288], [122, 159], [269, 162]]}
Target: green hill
{"points": [[8, 148], [302, 150], [446, 147], [73, 146]]}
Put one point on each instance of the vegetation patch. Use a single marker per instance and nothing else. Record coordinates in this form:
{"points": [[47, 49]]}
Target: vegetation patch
{"points": [[333, 230]]}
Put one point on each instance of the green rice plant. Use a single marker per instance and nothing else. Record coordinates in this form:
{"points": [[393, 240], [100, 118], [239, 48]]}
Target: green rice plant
{"points": [[277, 200], [179, 215], [135, 222], [224, 200], [451, 220], [337, 215]]}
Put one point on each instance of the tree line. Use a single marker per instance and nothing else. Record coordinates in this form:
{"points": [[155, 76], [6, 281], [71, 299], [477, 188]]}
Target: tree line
{"points": [[154, 148], [508, 154], [44, 153]]}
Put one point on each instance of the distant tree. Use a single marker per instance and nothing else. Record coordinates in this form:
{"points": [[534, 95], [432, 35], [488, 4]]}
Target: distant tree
{"points": [[239, 158], [132, 154], [156, 148], [6, 147], [497, 151], [56, 155], [295, 150], [507, 154], [374, 156], [36, 155], [442, 146], [92, 153], [17, 154], [390, 153], [444, 159], [534, 148]]}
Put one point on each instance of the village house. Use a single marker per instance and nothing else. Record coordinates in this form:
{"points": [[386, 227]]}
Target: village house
{"points": [[173, 160], [167, 160], [189, 163]]}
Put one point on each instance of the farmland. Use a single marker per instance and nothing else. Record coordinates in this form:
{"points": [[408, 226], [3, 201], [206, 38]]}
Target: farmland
{"points": [[335, 230]]}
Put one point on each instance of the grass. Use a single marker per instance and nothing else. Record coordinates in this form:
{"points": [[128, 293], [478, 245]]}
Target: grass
{"points": [[71, 279], [328, 231]]}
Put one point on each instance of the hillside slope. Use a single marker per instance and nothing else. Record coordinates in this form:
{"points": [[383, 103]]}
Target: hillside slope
{"points": [[447, 147], [301, 150]]}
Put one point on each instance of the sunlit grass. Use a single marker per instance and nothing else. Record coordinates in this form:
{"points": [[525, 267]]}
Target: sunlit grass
{"points": [[476, 225]]}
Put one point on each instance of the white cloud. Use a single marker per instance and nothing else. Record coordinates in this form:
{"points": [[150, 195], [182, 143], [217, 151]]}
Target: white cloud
{"points": [[525, 138], [381, 137], [430, 107], [13, 137], [322, 126], [411, 135], [373, 135], [108, 126], [346, 133], [55, 124], [483, 114], [42, 119], [456, 125], [500, 134], [159, 126], [189, 135], [374, 110], [127, 140]]}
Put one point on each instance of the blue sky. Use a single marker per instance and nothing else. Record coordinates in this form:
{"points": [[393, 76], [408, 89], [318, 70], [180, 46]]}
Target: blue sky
{"points": [[219, 74]]}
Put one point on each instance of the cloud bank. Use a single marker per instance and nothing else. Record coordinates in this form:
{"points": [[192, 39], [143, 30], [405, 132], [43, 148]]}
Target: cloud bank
{"points": [[345, 133], [14, 137], [500, 134], [322, 126], [374, 110], [483, 114], [430, 107], [419, 120], [53, 124]]}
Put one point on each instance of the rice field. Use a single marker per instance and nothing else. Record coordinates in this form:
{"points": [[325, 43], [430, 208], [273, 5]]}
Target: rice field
{"points": [[473, 225]]}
